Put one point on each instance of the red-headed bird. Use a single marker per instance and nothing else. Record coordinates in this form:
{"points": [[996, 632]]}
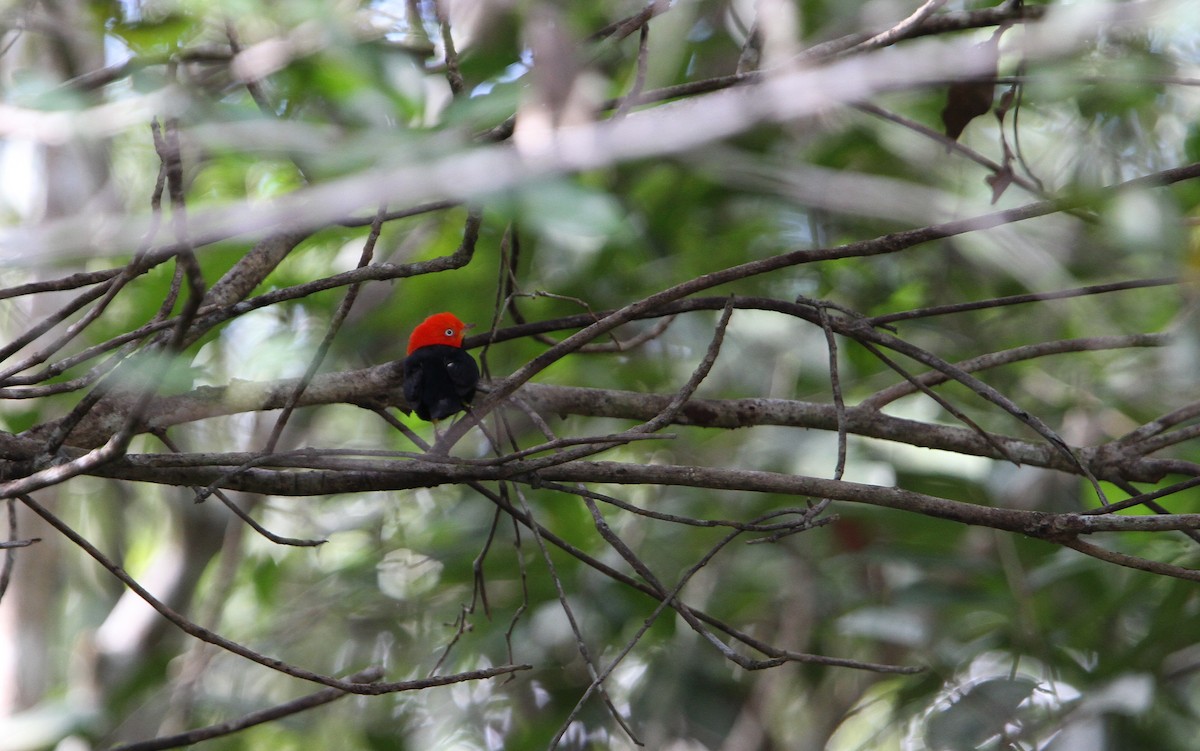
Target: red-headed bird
{"points": [[439, 376]]}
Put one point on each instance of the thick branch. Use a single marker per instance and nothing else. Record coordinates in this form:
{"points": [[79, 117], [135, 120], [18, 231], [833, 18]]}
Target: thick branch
{"points": [[307, 473], [383, 381]]}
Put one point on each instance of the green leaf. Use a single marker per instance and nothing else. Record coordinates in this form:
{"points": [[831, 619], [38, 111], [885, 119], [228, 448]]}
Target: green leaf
{"points": [[155, 37]]}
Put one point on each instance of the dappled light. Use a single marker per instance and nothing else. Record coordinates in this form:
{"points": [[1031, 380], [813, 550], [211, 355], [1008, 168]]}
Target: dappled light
{"points": [[719, 375]]}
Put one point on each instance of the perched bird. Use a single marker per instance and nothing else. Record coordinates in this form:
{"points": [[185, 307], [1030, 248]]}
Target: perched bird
{"points": [[439, 376]]}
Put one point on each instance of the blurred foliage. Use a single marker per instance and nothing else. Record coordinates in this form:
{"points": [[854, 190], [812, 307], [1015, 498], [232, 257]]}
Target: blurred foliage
{"points": [[1028, 645]]}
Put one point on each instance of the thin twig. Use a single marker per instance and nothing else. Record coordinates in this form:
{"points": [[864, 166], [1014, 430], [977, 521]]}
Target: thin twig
{"points": [[286, 709], [585, 493], [1130, 561], [1145, 432], [1163, 440], [1151, 501], [902, 29], [1138, 499], [943, 402], [61, 284], [9, 547], [335, 325], [1032, 297], [236, 509], [568, 611], [883, 397], [639, 80], [453, 74], [835, 385]]}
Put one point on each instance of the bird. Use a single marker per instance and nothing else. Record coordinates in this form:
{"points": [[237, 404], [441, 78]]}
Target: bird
{"points": [[439, 376]]}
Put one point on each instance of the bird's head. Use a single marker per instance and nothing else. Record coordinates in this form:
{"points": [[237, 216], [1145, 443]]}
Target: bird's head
{"points": [[439, 328]]}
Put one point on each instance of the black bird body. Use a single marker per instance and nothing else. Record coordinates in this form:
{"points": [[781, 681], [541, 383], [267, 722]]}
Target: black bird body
{"points": [[439, 380]]}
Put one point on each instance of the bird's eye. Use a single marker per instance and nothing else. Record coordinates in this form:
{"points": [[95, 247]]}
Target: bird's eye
{"points": [[450, 332]]}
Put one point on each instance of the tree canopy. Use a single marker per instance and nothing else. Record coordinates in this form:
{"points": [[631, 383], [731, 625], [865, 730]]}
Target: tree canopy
{"points": [[839, 375]]}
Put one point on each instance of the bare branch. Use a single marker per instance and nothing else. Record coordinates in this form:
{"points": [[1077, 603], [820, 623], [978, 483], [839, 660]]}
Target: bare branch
{"points": [[1032, 297], [339, 317], [1131, 561], [286, 709], [901, 30], [1016, 354]]}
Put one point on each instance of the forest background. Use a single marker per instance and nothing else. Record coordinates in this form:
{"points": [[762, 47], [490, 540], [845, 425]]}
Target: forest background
{"points": [[840, 375]]}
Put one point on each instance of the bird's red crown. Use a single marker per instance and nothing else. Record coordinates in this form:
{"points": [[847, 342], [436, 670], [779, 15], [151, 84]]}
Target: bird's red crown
{"points": [[439, 328]]}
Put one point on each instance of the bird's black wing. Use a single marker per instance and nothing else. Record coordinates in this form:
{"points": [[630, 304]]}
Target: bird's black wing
{"points": [[464, 374], [413, 376]]}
